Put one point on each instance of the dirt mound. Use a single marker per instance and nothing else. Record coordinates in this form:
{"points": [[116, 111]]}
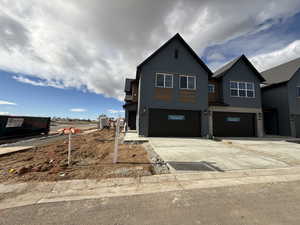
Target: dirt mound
{"points": [[91, 158]]}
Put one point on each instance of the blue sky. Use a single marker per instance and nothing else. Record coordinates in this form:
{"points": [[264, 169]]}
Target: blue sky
{"points": [[277, 36], [48, 101], [70, 58]]}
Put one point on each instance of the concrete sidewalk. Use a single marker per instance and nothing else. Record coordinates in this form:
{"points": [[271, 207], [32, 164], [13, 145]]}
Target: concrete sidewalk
{"points": [[133, 137], [14, 195]]}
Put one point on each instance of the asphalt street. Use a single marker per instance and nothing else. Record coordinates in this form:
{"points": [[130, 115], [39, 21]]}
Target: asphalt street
{"points": [[254, 204]]}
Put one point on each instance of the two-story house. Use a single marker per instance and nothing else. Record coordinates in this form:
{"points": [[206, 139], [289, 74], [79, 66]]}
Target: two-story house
{"points": [[281, 99], [177, 95], [235, 107], [172, 86]]}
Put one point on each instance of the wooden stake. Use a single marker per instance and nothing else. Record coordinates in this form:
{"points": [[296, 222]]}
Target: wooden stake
{"points": [[69, 149], [115, 159]]}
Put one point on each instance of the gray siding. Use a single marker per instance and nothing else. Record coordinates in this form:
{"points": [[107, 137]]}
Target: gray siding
{"points": [[293, 100], [294, 103], [165, 62], [277, 97], [241, 72]]}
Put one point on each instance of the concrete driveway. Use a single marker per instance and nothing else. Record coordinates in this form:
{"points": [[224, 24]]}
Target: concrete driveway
{"points": [[188, 153]]}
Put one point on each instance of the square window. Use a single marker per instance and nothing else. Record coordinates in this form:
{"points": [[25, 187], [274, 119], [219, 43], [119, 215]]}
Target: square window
{"points": [[234, 92], [242, 89], [250, 94], [159, 80], [233, 119], [233, 84], [191, 82], [242, 85], [242, 93], [250, 86], [183, 82], [164, 80], [211, 88], [176, 117], [168, 81], [187, 82]]}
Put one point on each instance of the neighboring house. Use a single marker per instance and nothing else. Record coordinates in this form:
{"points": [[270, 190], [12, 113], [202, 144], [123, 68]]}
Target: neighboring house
{"points": [[172, 87], [130, 106], [281, 99], [235, 107]]}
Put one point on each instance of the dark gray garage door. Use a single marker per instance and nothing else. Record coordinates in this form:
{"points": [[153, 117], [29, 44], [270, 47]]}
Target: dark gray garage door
{"points": [[297, 119], [174, 123], [226, 124]]}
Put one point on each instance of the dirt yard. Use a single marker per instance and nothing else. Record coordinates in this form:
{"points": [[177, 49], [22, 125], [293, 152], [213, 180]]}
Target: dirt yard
{"points": [[91, 157]]}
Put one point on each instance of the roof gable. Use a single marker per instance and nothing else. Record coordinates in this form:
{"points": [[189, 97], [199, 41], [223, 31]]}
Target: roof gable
{"points": [[190, 50], [282, 73], [227, 67]]}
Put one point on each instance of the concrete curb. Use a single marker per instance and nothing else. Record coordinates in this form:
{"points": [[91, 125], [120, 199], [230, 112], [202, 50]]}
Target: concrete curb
{"points": [[22, 194], [11, 150]]}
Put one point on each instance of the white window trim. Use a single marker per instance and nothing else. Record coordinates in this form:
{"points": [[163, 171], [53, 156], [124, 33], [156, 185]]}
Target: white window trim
{"points": [[164, 74], [213, 88], [297, 91], [238, 89], [187, 86]]}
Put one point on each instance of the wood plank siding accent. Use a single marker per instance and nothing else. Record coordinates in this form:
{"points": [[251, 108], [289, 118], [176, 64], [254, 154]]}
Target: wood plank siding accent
{"points": [[216, 96], [134, 92], [163, 94], [187, 96]]}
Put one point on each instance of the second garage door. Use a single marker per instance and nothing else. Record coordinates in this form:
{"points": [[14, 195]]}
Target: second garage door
{"points": [[227, 124], [174, 123]]}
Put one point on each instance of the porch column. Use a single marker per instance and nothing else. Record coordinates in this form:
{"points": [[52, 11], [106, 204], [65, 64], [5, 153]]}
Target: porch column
{"points": [[210, 123], [260, 124]]}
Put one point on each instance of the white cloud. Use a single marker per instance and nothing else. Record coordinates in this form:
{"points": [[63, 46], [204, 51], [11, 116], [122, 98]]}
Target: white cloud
{"points": [[78, 110], [113, 111], [266, 61], [42, 83], [2, 102], [92, 44], [4, 113], [216, 57]]}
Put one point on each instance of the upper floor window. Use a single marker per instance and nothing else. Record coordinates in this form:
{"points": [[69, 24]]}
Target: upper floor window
{"points": [[164, 80], [211, 88], [187, 82], [242, 89], [298, 91]]}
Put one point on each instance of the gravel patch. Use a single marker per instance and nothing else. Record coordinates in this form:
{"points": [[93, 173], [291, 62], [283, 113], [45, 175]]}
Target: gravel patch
{"points": [[159, 165]]}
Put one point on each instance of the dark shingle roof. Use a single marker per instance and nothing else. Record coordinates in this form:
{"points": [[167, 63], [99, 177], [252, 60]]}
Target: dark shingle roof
{"points": [[224, 69], [220, 72], [281, 73], [128, 84]]}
